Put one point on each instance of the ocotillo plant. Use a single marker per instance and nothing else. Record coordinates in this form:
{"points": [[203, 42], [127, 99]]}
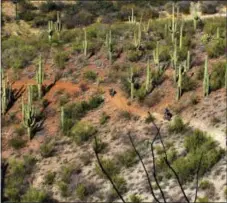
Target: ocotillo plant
{"points": [[40, 77], [132, 18], [137, 36], [109, 45], [179, 83], [131, 81], [58, 24], [85, 44], [148, 77], [50, 30], [206, 86], [29, 115], [156, 55], [7, 94]]}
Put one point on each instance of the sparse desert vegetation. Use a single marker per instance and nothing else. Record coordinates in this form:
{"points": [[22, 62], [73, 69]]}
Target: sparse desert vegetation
{"points": [[113, 101]]}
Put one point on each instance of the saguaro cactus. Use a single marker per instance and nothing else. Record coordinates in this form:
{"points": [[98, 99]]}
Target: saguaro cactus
{"points": [[131, 81], [7, 94], [109, 45], [40, 77], [174, 59], [62, 118], [132, 18], [137, 36], [156, 55], [195, 13], [58, 24], [179, 83], [28, 115], [148, 77], [188, 64], [181, 35], [173, 27], [218, 33], [206, 86], [85, 44], [50, 30]]}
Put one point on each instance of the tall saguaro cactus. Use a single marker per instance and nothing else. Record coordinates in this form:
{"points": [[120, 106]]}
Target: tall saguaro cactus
{"points": [[173, 27], [195, 13], [137, 36], [85, 44], [29, 114], [50, 30], [58, 24], [62, 118], [131, 81], [7, 93], [109, 45], [148, 77], [40, 77], [206, 86], [132, 18], [181, 35], [174, 59], [156, 55], [179, 83]]}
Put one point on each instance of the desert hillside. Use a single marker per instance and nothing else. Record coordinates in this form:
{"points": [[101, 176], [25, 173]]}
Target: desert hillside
{"points": [[113, 101]]}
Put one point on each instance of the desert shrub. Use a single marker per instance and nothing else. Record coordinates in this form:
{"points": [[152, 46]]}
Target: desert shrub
{"points": [[206, 184], [177, 125], [100, 147], [217, 77], [60, 58], [110, 166], [51, 6], [63, 187], [203, 199], [157, 77], [196, 140], [81, 191], [135, 198], [200, 73], [90, 75], [134, 55], [19, 131], [209, 7], [104, 118], [16, 180], [17, 53], [188, 83], [86, 158], [149, 118], [64, 99], [49, 178], [215, 48], [47, 148], [212, 24], [125, 115], [127, 158], [82, 131], [34, 195], [27, 15], [184, 7], [17, 142], [120, 183], [164, 53]]}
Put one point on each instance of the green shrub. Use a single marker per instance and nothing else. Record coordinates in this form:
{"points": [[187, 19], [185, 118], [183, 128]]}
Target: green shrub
{"points": [[120, 183], [49, 178], [46, 149], [188, 83], [110, 166], [90, 75], [215, 48], [81, 191], [205, 184], [125, 115], [66, 173], [149, 118], [82, 131], [203, 199], [135, 198], [127, 158], [104, 118], [209, 7], [217, 77], [34, 195], [212, 24], [17, 142], [60, 58], [19, 131], [100, 147], [177, 125], [134, 55], [63, 187]]}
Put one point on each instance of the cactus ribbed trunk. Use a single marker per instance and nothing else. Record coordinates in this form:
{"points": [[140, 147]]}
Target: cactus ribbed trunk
{"points": [[179, 83], [148, 77], [206, 86], [40, 78], [85, 44]]}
